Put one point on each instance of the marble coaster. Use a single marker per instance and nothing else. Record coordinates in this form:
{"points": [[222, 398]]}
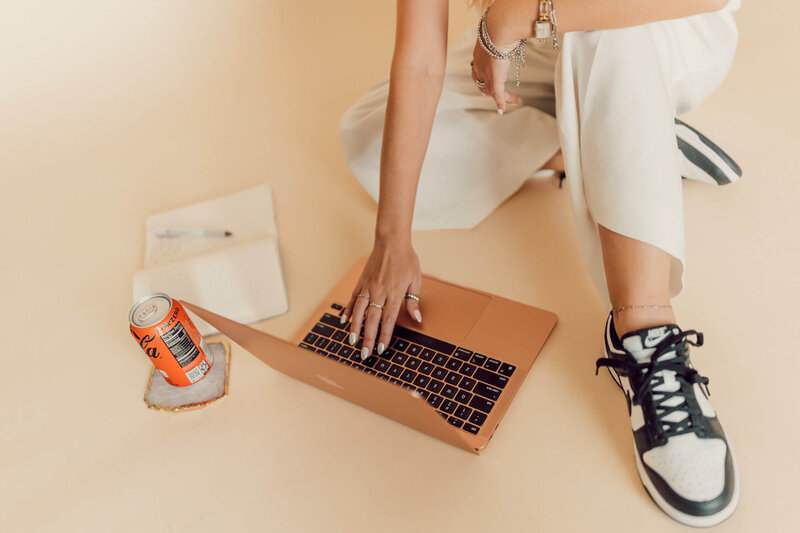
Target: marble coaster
{"points": [[161, 395]]}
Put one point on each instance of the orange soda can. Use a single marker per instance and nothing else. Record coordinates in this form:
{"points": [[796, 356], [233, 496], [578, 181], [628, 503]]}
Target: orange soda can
{"points": [[167, 335]]}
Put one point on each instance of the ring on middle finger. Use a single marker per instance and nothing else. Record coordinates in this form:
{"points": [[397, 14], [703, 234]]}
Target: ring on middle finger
{"points": [[362, 295], [373, 304], [481, 84]]}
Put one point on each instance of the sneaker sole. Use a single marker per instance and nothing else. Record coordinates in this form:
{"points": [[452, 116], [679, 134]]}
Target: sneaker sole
{"points": [[677, 515]]}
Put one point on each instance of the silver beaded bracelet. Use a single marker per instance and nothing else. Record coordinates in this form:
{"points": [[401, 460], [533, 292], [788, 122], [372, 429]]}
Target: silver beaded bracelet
{"points": [[517, 53]]}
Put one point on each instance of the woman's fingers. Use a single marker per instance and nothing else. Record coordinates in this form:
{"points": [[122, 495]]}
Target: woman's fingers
{"points": [[512, 98], [412, 305], [372, 317], [388, 319], [357, 318]]}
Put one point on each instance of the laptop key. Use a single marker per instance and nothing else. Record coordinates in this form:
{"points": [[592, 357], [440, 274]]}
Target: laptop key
{"points": [[310, 338], [384, 377], [467, 383], [487, 391], [414, 349], [395, 371], [331, 320], [346, 351], [338, 307], [322, 329], [449, 406], [357, 366], [435, 386], [395, 381], [439, 373], [369, 371], [491, 378], [323, 352], [444, 415], [421, 380], [423, 393], [435, 400], [408, 376], [345, 362], [321, 342], [399, 358], [387, 354], [506, 369], [440, 359], [306, 346], [426, 368], [449, 391], [453, 364], [382, 365], [400, 345], [334, 347], [455, 421], [463, 412], [467, 369], [412, 363], [355, 356], [492, 364], [463, 354], [463, 397], [427, 354], [478, 359], [370, 361], [453, 378], [477, 418], [469, 427], [339, 335], [409, 386], [482, 404]]}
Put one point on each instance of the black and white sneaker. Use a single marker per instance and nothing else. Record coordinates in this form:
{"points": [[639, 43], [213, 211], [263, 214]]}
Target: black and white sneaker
{"points": [[702, 159], [683, 456]]}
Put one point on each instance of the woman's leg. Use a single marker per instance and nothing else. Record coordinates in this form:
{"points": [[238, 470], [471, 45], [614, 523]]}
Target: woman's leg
{"points": [[619, 95], [636, 272]]}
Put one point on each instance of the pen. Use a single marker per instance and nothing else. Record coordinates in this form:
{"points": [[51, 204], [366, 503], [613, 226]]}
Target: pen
{"points": [[168, 232]]}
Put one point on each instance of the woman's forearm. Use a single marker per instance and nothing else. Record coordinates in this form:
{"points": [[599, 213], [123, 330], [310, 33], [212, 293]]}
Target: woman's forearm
{"points": [[511, 20], [410, 108]]}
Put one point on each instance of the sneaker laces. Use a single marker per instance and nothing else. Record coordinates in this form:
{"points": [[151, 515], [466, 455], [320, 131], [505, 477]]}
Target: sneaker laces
{"points": [[649, 377]]}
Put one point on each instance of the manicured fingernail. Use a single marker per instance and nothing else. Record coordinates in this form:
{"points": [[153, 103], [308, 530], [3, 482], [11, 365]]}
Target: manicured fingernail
{"points": [[343, 319], [499, 111], [352, 339], [364, 353], [418, 315], [381, 347]]}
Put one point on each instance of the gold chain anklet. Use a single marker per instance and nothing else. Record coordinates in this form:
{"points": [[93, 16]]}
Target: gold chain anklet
{"points": [[618, 309]]}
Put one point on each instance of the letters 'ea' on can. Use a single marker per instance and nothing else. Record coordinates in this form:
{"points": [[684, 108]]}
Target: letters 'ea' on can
{"points": [[167, 335]]}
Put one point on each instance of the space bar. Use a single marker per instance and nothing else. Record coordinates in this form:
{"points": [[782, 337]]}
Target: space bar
{"points": [[424, 340]]}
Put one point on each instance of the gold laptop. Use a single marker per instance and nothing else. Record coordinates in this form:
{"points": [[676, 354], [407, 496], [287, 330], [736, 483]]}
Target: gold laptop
{"points": [[452, 377]]}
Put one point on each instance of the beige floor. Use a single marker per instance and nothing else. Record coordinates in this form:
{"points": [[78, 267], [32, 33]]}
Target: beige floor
{"points": [[110, 111]]}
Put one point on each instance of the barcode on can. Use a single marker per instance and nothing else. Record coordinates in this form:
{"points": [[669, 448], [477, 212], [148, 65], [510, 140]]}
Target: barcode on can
{"points": [[180, 344], [197, 372]]}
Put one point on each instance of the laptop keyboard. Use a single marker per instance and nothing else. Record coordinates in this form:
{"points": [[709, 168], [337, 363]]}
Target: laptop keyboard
{"points": [[463, 386]]}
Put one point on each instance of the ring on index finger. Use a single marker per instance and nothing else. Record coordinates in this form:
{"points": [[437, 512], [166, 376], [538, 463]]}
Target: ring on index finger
{"points": [[372, 304], [412, 296], [362, 295], [481, 84]]}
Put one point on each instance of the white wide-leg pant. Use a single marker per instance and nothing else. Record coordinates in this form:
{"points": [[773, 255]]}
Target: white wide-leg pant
{"points": [[615, 93]]}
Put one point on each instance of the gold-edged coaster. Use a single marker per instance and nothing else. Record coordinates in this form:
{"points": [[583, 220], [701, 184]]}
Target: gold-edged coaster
{"points": [[161, 395]]}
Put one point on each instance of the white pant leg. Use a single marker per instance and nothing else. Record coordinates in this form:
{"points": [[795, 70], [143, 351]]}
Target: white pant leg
{"points": [[618, 92], [476, 158]]}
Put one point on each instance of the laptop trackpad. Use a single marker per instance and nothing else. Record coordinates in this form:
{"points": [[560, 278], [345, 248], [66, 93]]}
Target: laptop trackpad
{"points": [[447, 310]]}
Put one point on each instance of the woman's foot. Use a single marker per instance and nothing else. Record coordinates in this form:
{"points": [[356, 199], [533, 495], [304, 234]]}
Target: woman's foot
{"points": [[683, 456]]}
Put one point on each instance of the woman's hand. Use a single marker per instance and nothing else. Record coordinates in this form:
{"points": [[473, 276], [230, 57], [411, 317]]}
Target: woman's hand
{"points": [[391, 272], [491, 71]]}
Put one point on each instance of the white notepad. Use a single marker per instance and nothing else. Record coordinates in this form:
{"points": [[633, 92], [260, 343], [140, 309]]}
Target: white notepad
{"points": [[239, 277]]}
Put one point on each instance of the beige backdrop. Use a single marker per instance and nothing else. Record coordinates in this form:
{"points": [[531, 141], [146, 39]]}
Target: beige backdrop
{"points": [[110, 111]]}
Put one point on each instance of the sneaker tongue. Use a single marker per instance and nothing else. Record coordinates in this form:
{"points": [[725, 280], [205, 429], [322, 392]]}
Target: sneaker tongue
{"points": [[642, 342], [641, 345]]}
